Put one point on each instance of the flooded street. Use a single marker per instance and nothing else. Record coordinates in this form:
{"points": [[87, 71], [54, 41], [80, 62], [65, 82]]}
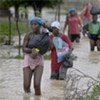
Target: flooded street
{"points": [[11, 74], [11, 86], [88, 62]]}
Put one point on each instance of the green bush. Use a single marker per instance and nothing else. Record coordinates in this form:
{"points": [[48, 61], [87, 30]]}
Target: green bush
{"points": [[2, 38], [47, 57], [95, 94], [18, 57]]}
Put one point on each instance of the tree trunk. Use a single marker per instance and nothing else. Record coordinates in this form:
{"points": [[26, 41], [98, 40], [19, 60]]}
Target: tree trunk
{"points": [[40, 12], [59, 12], [26, 13], [37, 11], [17, 28], [26, 17], [9, 35], [56, 13]]}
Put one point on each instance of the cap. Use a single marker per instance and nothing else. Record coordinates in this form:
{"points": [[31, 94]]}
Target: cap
{"points": [[55, 24]]}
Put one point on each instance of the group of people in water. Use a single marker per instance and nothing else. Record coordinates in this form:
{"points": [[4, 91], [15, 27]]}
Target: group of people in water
{"points": [[85, 23], [45, 38]]}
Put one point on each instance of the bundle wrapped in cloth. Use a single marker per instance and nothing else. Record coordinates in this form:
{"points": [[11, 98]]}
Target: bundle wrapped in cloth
{"points": [[41, 42]]}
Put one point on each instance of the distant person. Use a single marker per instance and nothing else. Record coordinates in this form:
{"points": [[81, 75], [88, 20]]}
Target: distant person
{"points": [[34, 48], [94, 33], [86, 16], [61, 49], [74, 25]]}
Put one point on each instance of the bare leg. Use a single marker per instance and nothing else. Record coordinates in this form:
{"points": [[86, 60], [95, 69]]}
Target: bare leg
{"points": [[98, 45], [37, 79], [27, 75], [62, 72], [92, 45], [77, 40], [55, 74]]}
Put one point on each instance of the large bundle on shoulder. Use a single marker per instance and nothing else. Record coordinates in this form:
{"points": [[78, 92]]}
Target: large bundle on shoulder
{"points": [[95, 10], [40, 41]]}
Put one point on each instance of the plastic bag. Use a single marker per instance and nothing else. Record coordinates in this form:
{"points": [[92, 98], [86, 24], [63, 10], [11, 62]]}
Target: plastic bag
{"points": [[95, 10]]}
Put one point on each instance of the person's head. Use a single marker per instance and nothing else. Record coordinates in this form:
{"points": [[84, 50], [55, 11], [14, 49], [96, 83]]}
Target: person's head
{"points": [[94, 18], [36, 23], [72, 11], [55, 28]]}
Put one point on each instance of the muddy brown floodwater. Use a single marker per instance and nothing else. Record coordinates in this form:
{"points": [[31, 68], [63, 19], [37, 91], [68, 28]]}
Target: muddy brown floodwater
{"points": [[11, 75]]}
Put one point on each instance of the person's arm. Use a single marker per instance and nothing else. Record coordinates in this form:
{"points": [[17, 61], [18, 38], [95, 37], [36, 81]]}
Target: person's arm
{"points": [[83, 12], [33, 52], [80, 20], [25, 44], [67, 40], [88, 28], [51, 46], [99, 31]]}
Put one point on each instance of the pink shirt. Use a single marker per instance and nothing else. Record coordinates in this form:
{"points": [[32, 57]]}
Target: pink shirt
{"points": [[73, 24]]}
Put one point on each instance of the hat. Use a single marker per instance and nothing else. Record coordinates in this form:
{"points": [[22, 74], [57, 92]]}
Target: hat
{"points": [[37, 20], [55, 24], [72, 10]]}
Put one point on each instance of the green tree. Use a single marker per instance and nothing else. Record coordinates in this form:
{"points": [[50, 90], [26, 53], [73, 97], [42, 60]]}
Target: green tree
{"points": [[6, 13], [16, 4], [38, 5]]}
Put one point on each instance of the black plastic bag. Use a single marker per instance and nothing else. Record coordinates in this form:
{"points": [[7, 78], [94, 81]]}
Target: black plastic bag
{"points": [[95, 10], [68, 62]]}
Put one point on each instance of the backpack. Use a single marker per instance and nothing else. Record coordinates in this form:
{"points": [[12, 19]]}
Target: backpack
{"points": [[40, 41]]}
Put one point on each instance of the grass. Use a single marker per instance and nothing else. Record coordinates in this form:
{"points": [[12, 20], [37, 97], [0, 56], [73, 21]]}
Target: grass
{"points": [[19, 57], [95, 94], [4, 32], [47, 57], [4, 27]]}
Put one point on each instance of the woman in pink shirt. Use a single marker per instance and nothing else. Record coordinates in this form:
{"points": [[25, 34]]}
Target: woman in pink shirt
{"points": [[74, 24]]}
